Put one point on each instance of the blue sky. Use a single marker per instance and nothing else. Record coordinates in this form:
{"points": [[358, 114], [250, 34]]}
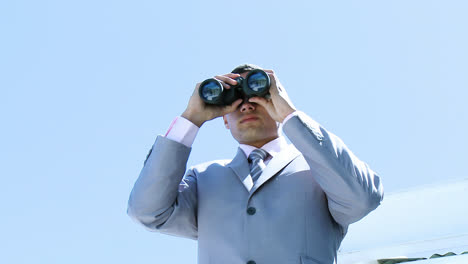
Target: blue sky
{"points": [[87, 85]]}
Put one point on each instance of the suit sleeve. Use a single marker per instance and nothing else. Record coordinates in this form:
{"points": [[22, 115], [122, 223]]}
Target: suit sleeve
{"points": [[352, 188], [163, 199]]}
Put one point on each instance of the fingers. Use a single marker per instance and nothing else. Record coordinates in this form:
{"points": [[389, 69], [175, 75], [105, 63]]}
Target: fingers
{"points": [[260, 100], [231, 75], [227, 79], [231, 108], [275, 87]]}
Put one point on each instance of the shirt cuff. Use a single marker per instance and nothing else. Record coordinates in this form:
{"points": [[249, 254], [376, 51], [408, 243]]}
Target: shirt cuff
{"points": [[290, 116], [182, 131]]}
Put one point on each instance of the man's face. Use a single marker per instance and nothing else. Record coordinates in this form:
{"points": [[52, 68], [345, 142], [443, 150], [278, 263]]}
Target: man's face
{"points": [[251, 124]]}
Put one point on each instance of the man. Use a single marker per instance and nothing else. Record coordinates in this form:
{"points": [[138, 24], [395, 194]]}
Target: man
{"points": [[291, 204]]}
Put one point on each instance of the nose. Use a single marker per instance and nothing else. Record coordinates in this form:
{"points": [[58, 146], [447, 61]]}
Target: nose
{"points": [[247, 106]]}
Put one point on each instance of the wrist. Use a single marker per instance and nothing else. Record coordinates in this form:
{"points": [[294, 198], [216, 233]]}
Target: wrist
{"points": [[289, 116], [193, 117], [286, 114]]}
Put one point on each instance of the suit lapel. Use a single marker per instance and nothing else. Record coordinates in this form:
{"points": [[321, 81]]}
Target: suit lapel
{"points": [[240, 166], [277, 163]]}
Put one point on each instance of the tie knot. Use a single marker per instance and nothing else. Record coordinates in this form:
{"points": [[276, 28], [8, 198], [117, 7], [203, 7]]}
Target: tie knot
{"points": [[258, 154]]}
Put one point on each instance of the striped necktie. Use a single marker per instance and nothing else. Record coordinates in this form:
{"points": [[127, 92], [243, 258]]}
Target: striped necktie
{"points": [[256, 158]]}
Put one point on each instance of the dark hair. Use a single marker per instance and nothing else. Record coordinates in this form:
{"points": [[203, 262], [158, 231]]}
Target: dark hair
{"points": [[245, 68]]}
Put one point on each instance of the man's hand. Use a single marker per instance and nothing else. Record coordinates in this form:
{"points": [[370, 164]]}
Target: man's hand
{"points": [[198, 112], [279, 106]]}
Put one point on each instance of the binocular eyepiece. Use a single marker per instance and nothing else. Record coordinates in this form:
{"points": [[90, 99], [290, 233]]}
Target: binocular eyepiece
{"points": [[256, 83]]}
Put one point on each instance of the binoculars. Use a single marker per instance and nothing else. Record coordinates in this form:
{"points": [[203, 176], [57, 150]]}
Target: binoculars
{"points": [[256, 83]]}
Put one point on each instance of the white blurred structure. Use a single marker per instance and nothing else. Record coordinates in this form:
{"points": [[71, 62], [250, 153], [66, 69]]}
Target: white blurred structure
{"points": [[415, 223]]}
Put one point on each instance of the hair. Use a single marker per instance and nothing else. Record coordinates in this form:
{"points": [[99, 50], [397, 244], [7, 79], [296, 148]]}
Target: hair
{"points": [[245, 68]]}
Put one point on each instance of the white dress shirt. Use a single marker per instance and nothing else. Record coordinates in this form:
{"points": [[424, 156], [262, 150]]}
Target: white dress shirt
{"points": [[183, 131]]}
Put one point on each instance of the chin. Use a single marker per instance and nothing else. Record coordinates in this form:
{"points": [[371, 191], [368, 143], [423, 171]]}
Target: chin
{"points": [[249, 140]]}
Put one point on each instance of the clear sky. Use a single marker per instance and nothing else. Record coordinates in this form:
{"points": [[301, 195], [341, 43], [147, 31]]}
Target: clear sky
{"points": [[87, 85]]}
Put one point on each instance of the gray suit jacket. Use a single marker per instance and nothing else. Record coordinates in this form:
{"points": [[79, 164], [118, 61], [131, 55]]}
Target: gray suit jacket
{"points": [[297, 212]]}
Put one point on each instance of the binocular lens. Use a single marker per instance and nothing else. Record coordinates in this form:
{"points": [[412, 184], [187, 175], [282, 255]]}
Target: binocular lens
{"points": [[258, 81], [211, 90]]}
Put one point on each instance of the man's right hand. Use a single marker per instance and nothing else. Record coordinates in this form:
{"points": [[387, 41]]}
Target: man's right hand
{"points": [[198, 112]]}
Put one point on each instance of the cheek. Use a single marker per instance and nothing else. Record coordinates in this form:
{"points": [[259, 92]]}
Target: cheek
{"points": [[231, 120], [273, 125], [230, 124], [233, 128]]}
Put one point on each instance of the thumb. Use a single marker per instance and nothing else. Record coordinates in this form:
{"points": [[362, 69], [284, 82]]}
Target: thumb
{"points": [[231, 108], [259, 100]]}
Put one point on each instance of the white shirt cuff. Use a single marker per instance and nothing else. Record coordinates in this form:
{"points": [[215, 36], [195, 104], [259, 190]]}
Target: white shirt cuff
{"points": [[182, 131], [289, 116]]}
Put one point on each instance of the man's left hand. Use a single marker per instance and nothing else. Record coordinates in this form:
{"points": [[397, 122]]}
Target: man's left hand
{"points": [[279, 106]]}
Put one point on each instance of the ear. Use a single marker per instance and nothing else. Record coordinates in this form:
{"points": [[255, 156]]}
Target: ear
{"points": [[225, 122]]}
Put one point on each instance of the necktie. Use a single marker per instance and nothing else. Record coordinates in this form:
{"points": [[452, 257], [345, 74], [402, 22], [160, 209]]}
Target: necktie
{"points": [[256, 158]]}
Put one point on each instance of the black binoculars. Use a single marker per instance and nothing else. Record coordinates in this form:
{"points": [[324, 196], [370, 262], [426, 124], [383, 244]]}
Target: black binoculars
{"points": [[256, 83]]}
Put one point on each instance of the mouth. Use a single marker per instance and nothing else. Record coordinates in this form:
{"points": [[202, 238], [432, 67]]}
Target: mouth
{"points": [[249, 118]]}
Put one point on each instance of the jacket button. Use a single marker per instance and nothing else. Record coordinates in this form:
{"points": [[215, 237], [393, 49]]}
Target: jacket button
{"points": [[251, 211], [251, 262]]}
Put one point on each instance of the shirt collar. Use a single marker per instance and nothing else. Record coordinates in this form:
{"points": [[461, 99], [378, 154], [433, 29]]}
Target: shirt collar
{"points": [[273, 147]]}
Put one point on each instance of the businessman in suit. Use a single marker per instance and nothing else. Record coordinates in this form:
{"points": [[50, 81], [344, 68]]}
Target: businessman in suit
{"points": [[274, 202]]}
